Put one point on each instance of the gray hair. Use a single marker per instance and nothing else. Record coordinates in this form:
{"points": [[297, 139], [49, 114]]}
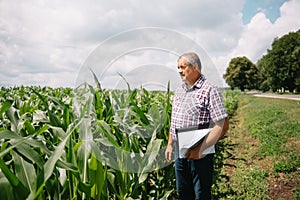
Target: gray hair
{"points": [[191, 58]]}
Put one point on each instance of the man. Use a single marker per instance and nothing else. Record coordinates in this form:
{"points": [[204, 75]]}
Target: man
{"points": [[196, 103]]}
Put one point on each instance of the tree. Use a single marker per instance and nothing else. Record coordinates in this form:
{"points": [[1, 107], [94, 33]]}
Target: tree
{"points": [[262, 64], [242, 73], [281, 64]]}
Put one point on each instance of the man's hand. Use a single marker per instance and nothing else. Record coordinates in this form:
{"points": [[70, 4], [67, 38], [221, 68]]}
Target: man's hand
{"points": [[168, 152], [220, 128], [194, 153]]}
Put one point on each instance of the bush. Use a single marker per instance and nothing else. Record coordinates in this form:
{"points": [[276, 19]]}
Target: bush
{"points": [[231, 98]]}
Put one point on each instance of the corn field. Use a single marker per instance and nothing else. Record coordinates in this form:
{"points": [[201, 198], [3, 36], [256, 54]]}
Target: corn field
{"points": [[84, 143]]}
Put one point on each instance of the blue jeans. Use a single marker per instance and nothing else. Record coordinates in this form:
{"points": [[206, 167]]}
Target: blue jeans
{"points": [[194, 178]]}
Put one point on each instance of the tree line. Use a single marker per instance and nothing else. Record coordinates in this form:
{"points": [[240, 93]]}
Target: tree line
{"points": [[277, 70]]}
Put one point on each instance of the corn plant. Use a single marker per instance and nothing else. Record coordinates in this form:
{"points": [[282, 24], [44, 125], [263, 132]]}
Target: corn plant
{"points": [[85, 143], [62, 143]]}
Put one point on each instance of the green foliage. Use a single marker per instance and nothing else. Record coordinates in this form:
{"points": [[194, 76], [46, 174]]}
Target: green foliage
{"points": [[252, 163], [242, 73], [297, 193], [280, 67], [277, 70], [231, 98], [273, 123], [50, 141], [250, 183], [288, 164]]}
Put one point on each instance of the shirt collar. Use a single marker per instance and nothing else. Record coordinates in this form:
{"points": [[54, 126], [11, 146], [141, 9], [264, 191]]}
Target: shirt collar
{"points": [[197, 84]]}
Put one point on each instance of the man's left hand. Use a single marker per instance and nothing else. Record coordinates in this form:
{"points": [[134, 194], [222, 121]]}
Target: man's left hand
{"points": [[194, 153]]}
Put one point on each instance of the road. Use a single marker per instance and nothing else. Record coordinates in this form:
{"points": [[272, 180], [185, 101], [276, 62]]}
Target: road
{"points": [[279, 96]]}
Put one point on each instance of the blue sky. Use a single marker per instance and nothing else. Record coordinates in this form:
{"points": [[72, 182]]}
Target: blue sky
{"points": [[51, 42], [269, 7]]}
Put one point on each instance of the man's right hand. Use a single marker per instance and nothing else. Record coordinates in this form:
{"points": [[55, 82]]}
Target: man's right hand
{"points": [[168, 152]]}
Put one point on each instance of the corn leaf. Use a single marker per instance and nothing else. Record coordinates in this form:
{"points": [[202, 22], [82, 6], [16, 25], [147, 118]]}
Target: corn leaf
{"points": [[48, 167], [96, 80], [20, 191], [5, 106], [6, 188], [24, 171]]}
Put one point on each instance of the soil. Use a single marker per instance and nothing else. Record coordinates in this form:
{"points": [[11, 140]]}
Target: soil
{"points": [[283, 186]]}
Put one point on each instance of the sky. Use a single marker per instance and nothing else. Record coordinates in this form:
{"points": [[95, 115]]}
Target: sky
{"points": [[60, 43]]}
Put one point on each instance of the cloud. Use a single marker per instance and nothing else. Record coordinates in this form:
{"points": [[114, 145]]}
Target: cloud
{"points": [[48, 42], [37, 44], [257, 36]]}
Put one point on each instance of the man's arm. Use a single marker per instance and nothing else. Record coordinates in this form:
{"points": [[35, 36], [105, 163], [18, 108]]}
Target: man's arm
{"points": [[225, 128], [169, 149], [218, 131]]}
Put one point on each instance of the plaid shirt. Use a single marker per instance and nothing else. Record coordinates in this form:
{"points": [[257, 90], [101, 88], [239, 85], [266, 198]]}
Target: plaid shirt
{"points": [[201, 104]]}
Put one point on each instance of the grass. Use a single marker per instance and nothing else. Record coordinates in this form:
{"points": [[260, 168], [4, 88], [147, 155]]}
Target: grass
{"points": [[264, 163], [273, 122]]}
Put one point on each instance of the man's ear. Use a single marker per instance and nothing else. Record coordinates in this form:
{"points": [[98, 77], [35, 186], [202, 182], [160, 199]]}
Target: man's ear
{"points": [[195, 66]]}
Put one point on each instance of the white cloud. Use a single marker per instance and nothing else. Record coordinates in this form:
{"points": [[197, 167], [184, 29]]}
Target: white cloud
{"points": [[258, 35], [47, 42], [255, 38]]}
